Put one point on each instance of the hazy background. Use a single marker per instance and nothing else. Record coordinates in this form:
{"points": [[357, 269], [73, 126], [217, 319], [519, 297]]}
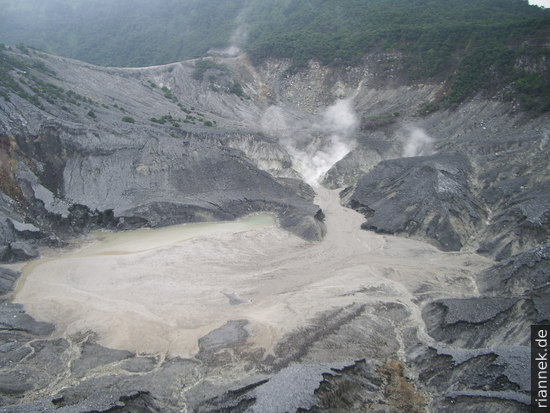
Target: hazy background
{"points": [[473, 45], [148, 32], [120, 32]]}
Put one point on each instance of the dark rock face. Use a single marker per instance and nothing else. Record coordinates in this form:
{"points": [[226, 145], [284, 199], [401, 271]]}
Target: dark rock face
{"points": [[371, 149], [211, 346], [8, 279], [92, 356], [426, 197], [482, 350], [524, 218], [21, 251], [110, 401], [519, 275], [13, 317], [505, 321], [507, 177], [64, 172], [481, 359], [148, 181]]}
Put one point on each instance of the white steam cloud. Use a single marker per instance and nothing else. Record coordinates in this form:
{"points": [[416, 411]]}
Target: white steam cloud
{"points": [[417, 142], [317, 144], [238, 38]]}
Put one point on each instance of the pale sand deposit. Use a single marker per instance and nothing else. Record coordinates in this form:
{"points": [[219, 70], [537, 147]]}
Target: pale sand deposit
{"points": [[159, 291]]}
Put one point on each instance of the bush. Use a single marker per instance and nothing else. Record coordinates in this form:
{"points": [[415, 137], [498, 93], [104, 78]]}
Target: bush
{"points": [[237, 89], [203, 65], [427, 108], [128, 119]]}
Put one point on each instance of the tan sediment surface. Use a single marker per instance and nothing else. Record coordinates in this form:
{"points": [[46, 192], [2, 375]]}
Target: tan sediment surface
{"points": [[155, 292]]}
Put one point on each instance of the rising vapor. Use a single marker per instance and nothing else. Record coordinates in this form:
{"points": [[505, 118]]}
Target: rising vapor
{"points": [[238, 37], [315, 146], [417, 142]]}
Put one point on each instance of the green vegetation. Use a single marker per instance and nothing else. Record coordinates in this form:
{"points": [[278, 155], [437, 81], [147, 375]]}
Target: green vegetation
{"points": [[91, 114], [383, 117], [119, 108], [204, 65], [169, 95], [471, 45], [166, 119], [128, 119], [189, 119], [237, 89], [20, 76], [76, 98], [219, 77], [121, 32], [428, 107], [23, 48]]}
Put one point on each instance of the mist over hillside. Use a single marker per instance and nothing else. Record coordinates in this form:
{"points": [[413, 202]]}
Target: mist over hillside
{"points": [[473, 44], [120, 33]]}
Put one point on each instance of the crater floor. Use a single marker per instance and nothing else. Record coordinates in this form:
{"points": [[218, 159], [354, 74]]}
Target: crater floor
{"points": [[160, 291]]}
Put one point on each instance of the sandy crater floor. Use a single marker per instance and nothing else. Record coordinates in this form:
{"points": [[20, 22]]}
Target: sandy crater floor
{"points": [[159, 291]]}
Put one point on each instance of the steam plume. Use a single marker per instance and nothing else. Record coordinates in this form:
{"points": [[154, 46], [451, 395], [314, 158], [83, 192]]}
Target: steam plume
{"points": [[316, 145], [238, 37], [417, 143]]}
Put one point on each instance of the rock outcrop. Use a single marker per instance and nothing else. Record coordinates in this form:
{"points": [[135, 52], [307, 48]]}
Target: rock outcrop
{"points": [[81, 160], [427, 197], [499, 207]]}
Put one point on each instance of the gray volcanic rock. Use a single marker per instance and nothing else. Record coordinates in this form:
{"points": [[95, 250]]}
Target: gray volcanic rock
{"points": [[231, 334], [481, 359], [291, 389], [167, 181], [68, 172], [481, 322], [481, 381], [106, 401], [107, 180], [13, 348], [16, 382], [474, 310], [512, 358], [93, 356], [507, 151], [523, 220], [8, 278], [22, 251], [370, 150], [522, 274], [139, 364], [13, 317], [425, 197], [7, 231]]}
